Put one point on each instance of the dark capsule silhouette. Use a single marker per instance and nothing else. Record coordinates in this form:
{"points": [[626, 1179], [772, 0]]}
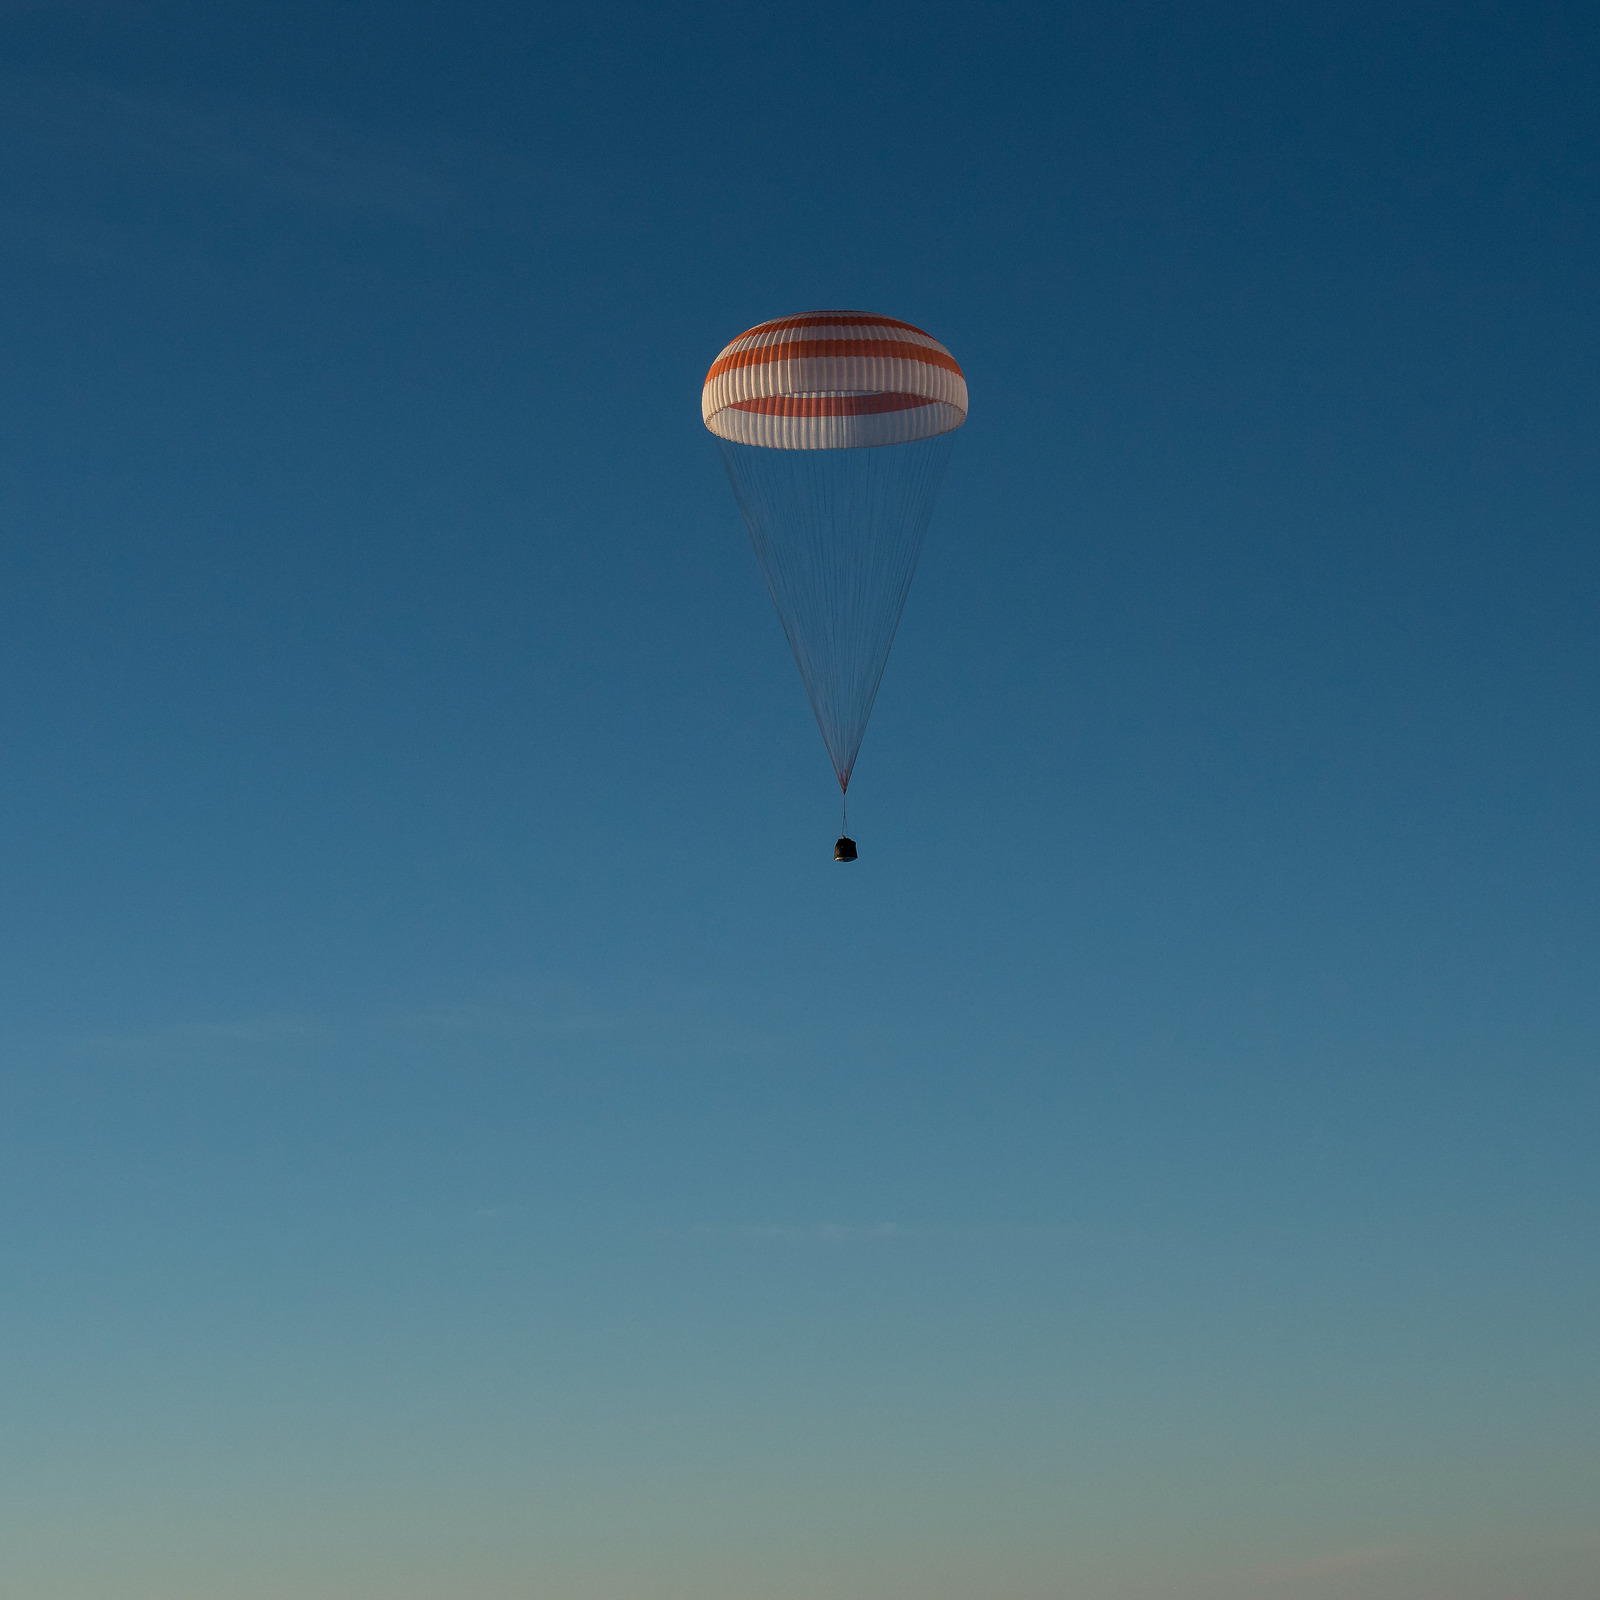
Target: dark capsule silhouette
{"points": [[845, 850]]}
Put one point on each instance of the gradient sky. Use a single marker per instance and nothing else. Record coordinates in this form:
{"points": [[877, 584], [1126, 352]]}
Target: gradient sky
{"points": [[461, 1138]]}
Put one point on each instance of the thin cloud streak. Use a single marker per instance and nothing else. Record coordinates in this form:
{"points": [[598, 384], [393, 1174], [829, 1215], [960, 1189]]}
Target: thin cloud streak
{"points": [[831, 1233], [1329, 1566], [80, 160], [675, 1026], [782, 1233]]}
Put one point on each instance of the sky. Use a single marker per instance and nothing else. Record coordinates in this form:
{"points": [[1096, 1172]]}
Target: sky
{"points": [[460, 1133]]}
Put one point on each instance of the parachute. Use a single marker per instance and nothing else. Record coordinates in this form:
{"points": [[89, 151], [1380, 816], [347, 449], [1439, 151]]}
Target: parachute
{"points": [[835, 428]]}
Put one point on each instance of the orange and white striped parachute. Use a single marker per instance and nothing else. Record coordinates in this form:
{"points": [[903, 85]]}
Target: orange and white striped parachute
{"points": [[833, 380], [835, 427]]}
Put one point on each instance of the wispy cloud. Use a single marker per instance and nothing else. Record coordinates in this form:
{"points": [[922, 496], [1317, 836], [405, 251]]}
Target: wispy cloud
{"points": [[637, 1016], [831, 1233], [293, 157], [792, 1233], [26, 8], [185, 1040], [1327, 1566], [92, 169]]}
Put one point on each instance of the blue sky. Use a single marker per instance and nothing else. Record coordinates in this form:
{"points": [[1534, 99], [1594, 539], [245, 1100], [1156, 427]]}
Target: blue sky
{"points": [[459, 1132]]}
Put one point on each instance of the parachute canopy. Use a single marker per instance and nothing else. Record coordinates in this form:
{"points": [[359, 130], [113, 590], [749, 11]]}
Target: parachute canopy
{"points": [[833, 380], [835, 428]]}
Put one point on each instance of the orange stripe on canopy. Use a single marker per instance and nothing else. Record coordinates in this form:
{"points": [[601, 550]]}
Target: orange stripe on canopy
{"points": [[816, 349], [830, 405]]}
